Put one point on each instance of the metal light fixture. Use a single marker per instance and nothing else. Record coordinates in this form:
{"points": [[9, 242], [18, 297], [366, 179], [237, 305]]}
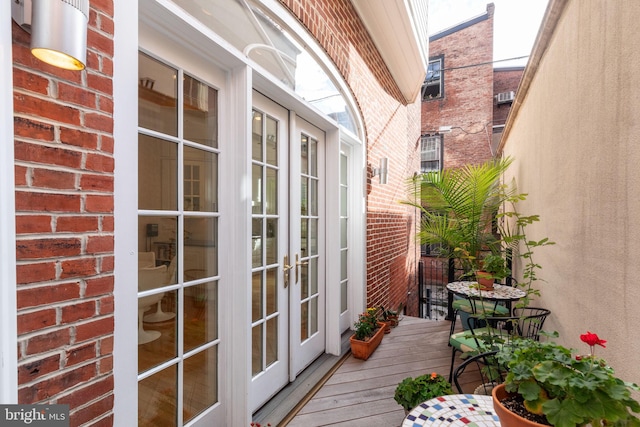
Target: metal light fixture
{"points": [[58, 30], [382, 171]]}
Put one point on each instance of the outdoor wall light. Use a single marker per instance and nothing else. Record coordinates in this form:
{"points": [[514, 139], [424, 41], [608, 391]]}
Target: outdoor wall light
{"points": [[381, 172], [58, 30]]}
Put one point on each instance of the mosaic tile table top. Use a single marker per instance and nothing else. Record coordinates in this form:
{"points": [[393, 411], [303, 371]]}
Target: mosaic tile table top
{"points": [[457, 410], [499, 292]]}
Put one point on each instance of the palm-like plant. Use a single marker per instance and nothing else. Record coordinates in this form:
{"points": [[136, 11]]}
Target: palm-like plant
{"points": [[458, 208]]}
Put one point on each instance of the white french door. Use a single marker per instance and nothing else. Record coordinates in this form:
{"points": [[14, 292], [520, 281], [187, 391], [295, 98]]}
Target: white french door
{"points": [[287, 286]]}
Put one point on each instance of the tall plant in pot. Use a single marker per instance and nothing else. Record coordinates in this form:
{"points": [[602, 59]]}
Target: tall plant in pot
{"points": [[458, 208]]}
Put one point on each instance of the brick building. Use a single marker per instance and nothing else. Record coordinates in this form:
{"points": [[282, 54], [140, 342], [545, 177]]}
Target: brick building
{"points": [[465, 100], [199, 214]]}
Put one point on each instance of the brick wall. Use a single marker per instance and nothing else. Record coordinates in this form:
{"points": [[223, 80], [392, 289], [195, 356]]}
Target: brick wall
{"points": [[504, 80], [64, 223], [467, 104], [392, 130]]}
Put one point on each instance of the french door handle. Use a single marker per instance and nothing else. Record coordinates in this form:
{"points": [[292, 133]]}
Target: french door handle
{"points": [[299, 264], [286, 268]]}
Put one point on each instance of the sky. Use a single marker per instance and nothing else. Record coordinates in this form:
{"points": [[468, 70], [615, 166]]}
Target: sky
{"points": [[515, 25]]}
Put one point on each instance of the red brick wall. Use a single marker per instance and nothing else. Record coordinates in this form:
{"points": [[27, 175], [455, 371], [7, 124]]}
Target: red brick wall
{"points": [[392, 130], [504, 80], [467, 104], [64, 223]]}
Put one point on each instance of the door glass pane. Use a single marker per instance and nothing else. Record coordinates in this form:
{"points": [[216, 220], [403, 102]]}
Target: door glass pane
{"points": [[200, 180], [272, 291], [256, 296], [256, 349], [313, 276], [313, 237], [157, 399], [200, 314], [157, 94], [304, 227], [272, 191], [313, 157], [157, 326], [313, 316], [256, 242], [272, 341], [200, 112], [201, 382], [304, 196], [256, 135], [200, 247], [304, 321], [157, 173], [272, 241], [304, 281], [313, 197], [256, 179], [272, 141], [304, 155]]}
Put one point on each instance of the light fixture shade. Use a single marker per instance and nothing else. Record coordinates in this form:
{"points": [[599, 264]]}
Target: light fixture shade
{"points": [[59, 32]]}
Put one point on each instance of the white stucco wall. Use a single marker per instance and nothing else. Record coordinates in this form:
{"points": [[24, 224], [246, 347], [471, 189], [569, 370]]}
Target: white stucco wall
{"points": [[576, 142]]}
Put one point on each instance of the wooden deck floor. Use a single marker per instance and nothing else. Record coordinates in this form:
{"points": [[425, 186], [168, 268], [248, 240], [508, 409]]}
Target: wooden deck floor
{"points": [[360, 393]]}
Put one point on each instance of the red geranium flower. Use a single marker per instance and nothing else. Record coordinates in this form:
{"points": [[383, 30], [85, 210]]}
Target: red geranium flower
{"points": [[592, 339]]}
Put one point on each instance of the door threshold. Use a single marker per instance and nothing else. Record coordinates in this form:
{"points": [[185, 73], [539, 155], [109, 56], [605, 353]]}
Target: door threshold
{"points": [[282, 407]]}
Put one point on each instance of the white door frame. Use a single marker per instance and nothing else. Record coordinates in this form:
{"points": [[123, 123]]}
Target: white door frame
{"points": [[8, 304], [242, 76]]}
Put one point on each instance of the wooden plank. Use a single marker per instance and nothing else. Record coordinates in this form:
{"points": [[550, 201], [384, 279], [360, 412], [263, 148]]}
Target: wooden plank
{"points": [[360, 393]]}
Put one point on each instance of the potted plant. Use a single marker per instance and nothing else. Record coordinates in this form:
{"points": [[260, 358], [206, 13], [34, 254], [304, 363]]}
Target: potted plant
{"points": [[413, 391], [391, 317], [493, 267], [368, 333], [546, 385]]}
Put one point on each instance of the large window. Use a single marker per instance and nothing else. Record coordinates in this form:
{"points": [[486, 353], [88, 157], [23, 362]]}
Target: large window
{"points": [[431, 153], [434, 83]]}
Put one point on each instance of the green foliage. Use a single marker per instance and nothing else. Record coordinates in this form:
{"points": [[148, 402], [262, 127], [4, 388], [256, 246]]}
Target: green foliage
{"points": [[569, 391], [458, 208], [496, 265], [413, 391], [366, 324]]}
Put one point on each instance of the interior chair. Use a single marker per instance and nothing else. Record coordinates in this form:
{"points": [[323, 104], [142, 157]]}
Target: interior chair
{"points": [[149, 278], [146, 259], [481, 367], [159, 315], [487, 333]]}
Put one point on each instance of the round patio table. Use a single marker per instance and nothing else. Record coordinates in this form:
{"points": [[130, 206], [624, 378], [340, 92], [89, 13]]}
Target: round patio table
{"points": [[499, 292], [456, 410]]}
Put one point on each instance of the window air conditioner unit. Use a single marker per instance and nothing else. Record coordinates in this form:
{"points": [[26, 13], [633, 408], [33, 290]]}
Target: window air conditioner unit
{"points": [[506, 97]]}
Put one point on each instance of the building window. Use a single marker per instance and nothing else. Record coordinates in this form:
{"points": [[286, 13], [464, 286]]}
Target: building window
{"points": [[434, 83], [431, 153]]}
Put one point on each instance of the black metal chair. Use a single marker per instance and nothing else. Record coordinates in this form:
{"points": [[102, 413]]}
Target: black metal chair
{"points": [[488, 333], [481, 367]]}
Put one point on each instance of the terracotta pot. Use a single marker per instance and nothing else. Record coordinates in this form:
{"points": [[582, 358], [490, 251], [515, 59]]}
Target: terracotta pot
{"points": [[363, 349], [387, 326], [508, 418], [485, 280]]}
